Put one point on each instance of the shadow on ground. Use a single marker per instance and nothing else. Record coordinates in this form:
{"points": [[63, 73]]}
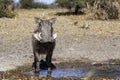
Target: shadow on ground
{"points": [[69, 13], [44, 66]]}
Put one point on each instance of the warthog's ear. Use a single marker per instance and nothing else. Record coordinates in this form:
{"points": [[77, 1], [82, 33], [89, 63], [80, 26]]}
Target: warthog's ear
{"points": [[37, 20], [52, 20]]}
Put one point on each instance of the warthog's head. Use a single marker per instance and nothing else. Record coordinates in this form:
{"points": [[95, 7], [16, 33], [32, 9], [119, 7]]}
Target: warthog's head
{"points": [[45, 30]]}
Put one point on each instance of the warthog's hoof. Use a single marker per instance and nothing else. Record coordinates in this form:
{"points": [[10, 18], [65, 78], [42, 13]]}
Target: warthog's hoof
{"points": [[37, 71], [49, 75]]}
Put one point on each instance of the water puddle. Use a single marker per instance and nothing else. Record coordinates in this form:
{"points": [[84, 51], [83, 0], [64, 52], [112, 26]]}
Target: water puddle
{"points": [[80, 72], [66, 72], [111, 71]]}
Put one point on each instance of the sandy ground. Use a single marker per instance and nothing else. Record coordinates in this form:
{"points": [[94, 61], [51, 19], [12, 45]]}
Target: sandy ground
{"points": [[99, 43]]}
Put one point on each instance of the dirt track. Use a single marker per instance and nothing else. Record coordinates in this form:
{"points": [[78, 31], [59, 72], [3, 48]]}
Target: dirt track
{"points": [[99, 43]]}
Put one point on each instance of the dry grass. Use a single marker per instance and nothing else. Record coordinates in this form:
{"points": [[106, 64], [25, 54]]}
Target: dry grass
{"points": [[23, 25]]}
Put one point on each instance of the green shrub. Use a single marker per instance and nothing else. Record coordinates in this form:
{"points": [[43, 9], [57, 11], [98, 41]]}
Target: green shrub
{"points": [[28, 4], [6, 8], [103, 9], [40, 5], [64, 3]]}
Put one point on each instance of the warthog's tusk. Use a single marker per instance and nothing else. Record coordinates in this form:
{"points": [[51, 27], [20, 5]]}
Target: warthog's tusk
{"points": [[55, 35], [37, 36]]}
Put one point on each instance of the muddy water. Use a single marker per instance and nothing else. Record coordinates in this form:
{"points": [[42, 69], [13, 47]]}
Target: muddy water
{"points": [[78, 72], [83, 72], [97, 71]]}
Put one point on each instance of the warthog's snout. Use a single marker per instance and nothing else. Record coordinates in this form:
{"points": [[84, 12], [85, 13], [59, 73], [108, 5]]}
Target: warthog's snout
{"points": [[39, 38]]}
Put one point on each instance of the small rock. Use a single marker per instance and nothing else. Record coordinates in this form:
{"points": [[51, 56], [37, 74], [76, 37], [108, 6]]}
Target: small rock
{"points": [[97, 64], [85, 26]]}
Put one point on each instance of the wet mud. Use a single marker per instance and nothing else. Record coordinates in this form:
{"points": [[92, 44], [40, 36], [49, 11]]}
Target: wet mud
{"points": [[66, 71]]}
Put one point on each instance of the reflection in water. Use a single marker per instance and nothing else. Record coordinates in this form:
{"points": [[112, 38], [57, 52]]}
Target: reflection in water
{"points": [[103, 72], [62, 72], [66, 72], [111, 71]]}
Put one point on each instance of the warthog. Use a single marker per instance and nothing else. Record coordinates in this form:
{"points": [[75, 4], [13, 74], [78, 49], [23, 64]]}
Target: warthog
{"points": [[43, 42]]}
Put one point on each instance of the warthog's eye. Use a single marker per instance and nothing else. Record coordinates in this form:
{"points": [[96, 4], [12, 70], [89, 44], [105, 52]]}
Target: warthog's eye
{"points": [[40, 25]]}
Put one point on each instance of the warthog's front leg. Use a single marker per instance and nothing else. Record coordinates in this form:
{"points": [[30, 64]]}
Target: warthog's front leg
{"points": [[37, 62], [48, 60]]}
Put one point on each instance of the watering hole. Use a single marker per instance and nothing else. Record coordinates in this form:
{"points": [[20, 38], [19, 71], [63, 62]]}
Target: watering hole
{"points": [[96, 70]]}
